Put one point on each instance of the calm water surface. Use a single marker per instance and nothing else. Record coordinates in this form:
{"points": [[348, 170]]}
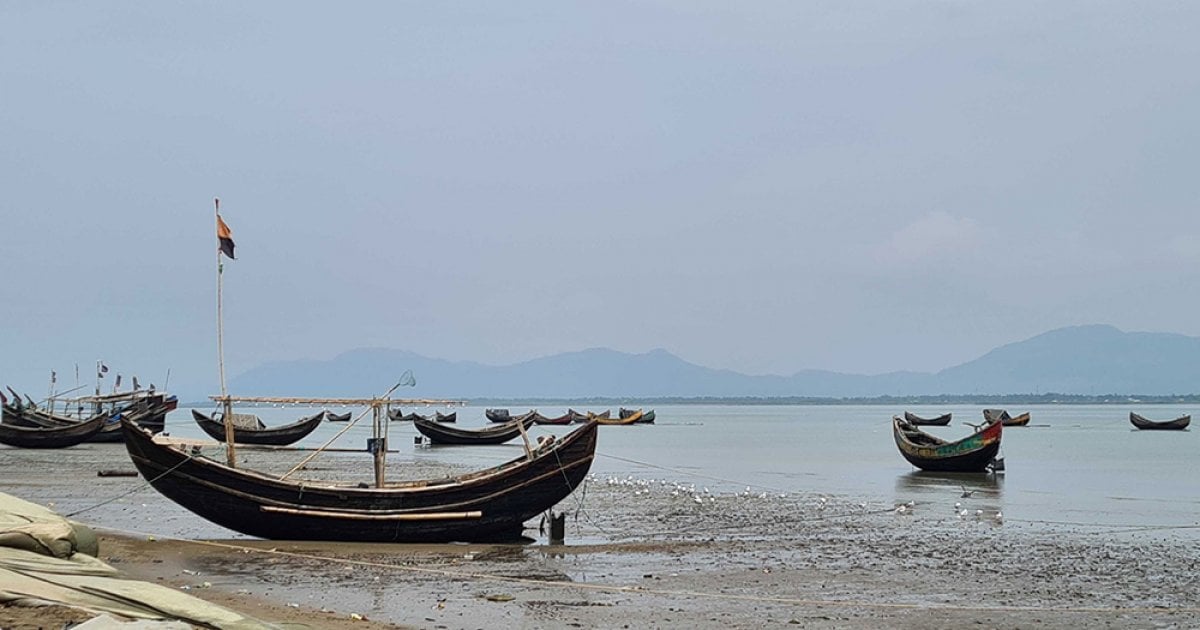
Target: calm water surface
{"points": [[1074, 464]]}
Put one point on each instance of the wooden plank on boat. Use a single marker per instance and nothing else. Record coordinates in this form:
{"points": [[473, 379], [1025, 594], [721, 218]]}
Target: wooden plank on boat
{"points": [[304, 449], [116, 473], [176, 441], [426, 516]]}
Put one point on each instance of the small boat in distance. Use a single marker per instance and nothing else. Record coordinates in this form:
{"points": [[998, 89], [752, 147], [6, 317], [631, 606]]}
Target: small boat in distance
{"points": [[51, 437], [992, 415], [647, 416], [149, 410], [566, 418], [633, 419], [603, 415], [497, 415], [973, 453], [333, 417], [918, 421], [445, 417], [254, 432], [1178, 424], [439, 433]]}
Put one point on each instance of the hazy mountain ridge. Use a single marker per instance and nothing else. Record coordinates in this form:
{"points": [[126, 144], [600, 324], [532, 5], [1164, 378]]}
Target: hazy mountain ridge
{"points": [[1076, 360]]}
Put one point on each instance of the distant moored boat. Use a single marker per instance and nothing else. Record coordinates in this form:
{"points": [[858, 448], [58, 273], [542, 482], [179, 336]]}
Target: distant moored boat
{"points": [[916, 420], [992, 415], [1178, 424]]}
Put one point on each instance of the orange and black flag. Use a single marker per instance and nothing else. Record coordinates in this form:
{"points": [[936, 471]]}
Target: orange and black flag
{"points": [[225, 238]]}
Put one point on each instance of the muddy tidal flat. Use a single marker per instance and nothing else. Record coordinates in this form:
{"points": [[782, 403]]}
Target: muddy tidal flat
{"points": [[656, 550]]}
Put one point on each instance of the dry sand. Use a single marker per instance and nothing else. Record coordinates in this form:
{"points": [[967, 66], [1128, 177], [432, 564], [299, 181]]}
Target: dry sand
{"points": [[646, 556]]}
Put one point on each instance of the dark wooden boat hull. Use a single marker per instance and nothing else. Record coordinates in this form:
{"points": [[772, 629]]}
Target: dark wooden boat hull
{"points": [[538, 418], [150, 413], [1178, 424], [916, 420], [52, 437], [334, 417], [973, 453], [603, 415], [497, 415], [647, 417], [448, 417], [1001, 415], [620, 421], [496, 434], [1018, 421], [152, 416], [272, 436], [489, 505]]}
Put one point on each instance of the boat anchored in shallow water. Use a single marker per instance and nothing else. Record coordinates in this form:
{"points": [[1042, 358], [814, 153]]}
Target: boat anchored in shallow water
{"points": [[974, 453]]}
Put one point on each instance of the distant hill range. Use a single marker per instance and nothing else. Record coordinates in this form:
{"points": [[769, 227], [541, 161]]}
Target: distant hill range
{"points": [[1086, 360]]}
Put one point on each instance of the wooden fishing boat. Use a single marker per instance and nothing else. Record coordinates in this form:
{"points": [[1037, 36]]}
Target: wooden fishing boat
{"points": [[445, 417], [1001, 415], [497, 415], [973, 453], [916, 420], [334, 417], [995, 415], [1178, 424], [618, 421], [486, 505], [149, 411], [494, 434], [1018, 421], [29, 415], [274, 436], [603, 415], [566, 418], [52, 437], [647, 416], [396, 415], [577, 417]]}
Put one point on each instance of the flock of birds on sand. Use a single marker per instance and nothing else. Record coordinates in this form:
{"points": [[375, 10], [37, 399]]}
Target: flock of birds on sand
{"points": [[703, 496]]}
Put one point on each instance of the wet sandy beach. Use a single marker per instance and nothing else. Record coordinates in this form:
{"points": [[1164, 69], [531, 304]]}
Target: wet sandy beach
{"points": [[644, 552]]}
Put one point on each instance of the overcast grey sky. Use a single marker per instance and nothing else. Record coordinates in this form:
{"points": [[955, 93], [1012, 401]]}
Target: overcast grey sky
{"points": [[766, 187]]}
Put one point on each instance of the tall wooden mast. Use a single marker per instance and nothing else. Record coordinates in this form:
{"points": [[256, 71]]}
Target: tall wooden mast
{"points": [[226, 404]]}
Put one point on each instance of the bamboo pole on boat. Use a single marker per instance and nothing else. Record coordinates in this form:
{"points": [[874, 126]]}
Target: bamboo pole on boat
{"points": [[50, 403], [98, 377], [374, 404], [419, 516], [227, 406], [524, 439], [380, 445]]}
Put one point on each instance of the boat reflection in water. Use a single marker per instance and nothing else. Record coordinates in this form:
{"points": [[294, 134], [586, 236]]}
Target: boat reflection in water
{"points": [[952, 492]]}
